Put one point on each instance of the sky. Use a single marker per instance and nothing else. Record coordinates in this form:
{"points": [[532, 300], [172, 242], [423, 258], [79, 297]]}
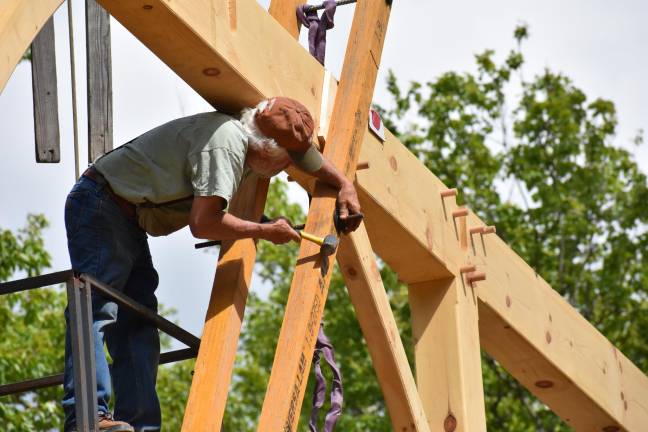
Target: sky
{"points": [[598, 43]]}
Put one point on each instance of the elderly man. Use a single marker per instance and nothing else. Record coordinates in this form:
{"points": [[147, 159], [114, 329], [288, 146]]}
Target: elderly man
{"points": [[184, 172]]}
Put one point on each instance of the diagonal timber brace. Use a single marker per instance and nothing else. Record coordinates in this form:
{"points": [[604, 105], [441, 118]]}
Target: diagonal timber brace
{"points": [[362, 277], [215, 362], [310, 282]]}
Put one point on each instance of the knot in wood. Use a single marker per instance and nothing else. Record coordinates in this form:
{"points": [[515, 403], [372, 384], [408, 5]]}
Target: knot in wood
{"points": [[211, 71], [544, 384], [450, 423]]}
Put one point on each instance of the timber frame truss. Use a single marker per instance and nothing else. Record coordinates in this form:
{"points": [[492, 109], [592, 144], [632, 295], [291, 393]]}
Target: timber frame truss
{"points": [[468, 290]]}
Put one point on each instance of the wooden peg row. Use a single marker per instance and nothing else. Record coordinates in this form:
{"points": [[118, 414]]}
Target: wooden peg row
{"points": [[462, 212], [475, 277], [476, 230], [448, 193], [362, 166], [468, 268], [489, 230]]}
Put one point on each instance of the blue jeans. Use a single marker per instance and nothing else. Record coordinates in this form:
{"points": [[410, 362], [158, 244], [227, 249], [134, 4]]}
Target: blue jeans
{"points": [[110, 246]]}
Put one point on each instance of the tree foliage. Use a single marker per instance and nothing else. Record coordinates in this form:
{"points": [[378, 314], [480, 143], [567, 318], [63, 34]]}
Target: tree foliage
{"points": [[32, 331]]}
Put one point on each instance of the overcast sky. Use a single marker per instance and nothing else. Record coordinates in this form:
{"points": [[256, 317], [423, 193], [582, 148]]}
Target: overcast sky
{"points": [[600, 44]]}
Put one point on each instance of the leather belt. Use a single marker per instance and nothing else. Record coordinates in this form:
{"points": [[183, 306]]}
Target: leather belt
{"points": [[127, 207]]}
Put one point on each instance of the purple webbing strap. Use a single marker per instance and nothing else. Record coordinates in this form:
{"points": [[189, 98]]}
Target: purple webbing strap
{"points": [[323, 346], [317, 27]]}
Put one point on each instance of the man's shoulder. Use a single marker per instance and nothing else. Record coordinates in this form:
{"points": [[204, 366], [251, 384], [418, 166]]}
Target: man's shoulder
{"points": [[212, 130]]}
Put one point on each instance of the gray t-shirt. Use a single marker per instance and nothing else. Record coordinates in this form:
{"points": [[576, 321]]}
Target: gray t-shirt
{"points": [[199, 155]]}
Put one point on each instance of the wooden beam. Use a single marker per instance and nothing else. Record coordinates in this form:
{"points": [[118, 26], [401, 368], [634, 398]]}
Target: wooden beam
{"points": [[215, 362], [20, 22], [358, 265], [524, 323], [99, 79], [310, 282], [405, 219], [45, 95], [285, 12], [552, 350], [448, 357], [232, 52]]}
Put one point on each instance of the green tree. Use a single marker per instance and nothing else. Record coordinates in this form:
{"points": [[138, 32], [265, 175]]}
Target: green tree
{"points": [[32, 331]]}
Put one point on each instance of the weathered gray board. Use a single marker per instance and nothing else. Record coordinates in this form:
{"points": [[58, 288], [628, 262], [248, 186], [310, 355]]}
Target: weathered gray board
{"points": [[46, 126], [100, 132]]}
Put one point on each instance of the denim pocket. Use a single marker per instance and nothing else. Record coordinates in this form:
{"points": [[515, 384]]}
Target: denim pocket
{"points": [[74, 209]]}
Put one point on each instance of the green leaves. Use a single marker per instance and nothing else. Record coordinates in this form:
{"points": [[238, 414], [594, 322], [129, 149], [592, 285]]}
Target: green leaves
{"points": [[33, 331], [24, 251]]}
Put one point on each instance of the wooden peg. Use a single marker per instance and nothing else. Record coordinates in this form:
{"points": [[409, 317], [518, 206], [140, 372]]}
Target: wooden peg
{"points": [[475, 277], [448, 193], [489, 230], [362, 166], [462, 212], [468, 268], [476, 230]]}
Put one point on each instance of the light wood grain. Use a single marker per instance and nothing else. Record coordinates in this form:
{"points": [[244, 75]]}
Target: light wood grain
{"points": [[448, 357], [358, 265], [213, 370], [20, 22], [309, 286], [215, 362], [285, 12], [411, 227], [231, 64]]}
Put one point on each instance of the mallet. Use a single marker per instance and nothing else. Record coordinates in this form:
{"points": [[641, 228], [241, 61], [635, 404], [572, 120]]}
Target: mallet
{"points": [[341, 224], [328, 245], [264, 219]]}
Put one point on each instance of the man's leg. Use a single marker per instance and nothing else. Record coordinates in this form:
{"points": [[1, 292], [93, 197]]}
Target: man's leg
{"points": [[99, 243], [134, 346]]}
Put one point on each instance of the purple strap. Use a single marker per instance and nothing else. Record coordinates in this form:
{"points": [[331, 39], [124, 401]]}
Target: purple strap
{"points": [[323, 346], [317, 27]]}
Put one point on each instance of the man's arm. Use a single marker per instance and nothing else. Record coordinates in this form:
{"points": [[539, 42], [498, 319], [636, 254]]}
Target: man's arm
{"points": [[208, 220], [347, 199]]}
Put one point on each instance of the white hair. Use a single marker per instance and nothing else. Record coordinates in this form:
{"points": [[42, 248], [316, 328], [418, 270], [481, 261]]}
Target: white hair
{"points": [[256, 139]]}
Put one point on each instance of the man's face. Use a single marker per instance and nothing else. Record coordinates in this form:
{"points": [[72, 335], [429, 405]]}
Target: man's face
{"points": [[266, 165]]}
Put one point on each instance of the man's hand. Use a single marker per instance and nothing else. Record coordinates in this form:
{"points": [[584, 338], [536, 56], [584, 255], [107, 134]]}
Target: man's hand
{"points": [[348, 204], [208, 220], [347, 199], [279, 231]]}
